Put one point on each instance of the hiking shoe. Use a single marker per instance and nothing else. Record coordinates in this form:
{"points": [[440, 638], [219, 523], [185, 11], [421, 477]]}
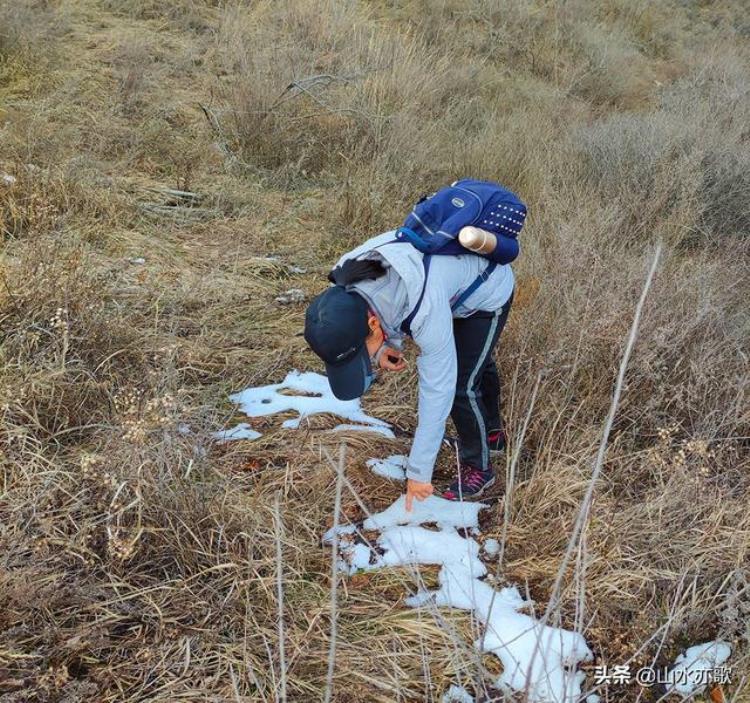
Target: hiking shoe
{"points": [[471, 483], [496, 440]]}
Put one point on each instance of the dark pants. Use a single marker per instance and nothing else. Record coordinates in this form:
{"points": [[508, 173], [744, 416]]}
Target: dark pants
{"points": [[476, 407]]}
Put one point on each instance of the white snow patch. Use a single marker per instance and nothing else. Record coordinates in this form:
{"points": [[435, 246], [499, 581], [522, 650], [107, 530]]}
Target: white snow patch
{"points": [[492, 547], [692, 669], [446, 513], [543, 659], [313, 395], [7, 178], [457, 694], [393, 467], [241, 431], [409, 544]]}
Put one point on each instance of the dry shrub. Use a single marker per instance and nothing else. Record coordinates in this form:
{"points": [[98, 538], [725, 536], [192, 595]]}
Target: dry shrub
{"points": [[650, 25], [26, 25], [689, 158], [30, 32], [350, 84], [611, 68], [593, 51], [308, 99], [194, 15], [63, 339], [133, 64], [36, 200]]}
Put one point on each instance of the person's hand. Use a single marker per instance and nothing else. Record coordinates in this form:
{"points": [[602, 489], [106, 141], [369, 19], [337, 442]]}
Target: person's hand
{"points": [[418, 490], [392, 360]]}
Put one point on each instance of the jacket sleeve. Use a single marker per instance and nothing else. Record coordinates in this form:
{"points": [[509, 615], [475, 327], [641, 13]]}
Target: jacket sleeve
{"points": [[437, 381]]}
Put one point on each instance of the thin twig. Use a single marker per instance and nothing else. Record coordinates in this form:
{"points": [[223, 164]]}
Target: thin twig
{"points": [[511, 476], [280, 593], [304, 84], [334, 572], [510, 481]]}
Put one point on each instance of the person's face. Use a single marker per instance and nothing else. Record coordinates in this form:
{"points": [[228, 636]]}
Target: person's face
{"points": [[376, 338], [392, 360]]}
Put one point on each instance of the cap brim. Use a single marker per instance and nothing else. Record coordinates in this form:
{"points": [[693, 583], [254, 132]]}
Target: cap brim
{"points": [[348, 380]]}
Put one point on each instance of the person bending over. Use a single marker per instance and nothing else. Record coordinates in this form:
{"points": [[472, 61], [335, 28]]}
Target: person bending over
{"points": [[382, 292]]}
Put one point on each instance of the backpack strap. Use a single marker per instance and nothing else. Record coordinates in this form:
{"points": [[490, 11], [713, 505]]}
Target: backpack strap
{"points": [[481, 278], [406, 324], [404, 234]]}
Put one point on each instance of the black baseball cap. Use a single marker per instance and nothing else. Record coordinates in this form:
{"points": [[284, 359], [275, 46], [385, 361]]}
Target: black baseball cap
{"points": [[336, 328]]}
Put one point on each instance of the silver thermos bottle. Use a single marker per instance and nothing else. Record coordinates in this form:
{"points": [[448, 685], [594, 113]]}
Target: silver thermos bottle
{"points": [[477, 240]]}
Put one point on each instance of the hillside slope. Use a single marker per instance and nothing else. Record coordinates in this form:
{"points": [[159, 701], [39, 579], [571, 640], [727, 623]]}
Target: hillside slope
{"points": [[138, 557]]}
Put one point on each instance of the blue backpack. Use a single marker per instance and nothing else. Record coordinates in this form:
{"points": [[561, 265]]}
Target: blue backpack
{"points": [[434, 223]]}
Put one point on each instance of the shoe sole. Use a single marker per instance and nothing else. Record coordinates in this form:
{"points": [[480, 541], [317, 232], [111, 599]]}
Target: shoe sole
{"points": [[478, 494]]}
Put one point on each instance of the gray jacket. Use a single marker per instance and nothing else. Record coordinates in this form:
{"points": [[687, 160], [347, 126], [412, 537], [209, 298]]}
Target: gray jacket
{"points": [[393, 296]]}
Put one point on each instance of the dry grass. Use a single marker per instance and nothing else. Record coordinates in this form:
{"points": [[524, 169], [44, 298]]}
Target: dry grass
{"points": [[139, 561]]}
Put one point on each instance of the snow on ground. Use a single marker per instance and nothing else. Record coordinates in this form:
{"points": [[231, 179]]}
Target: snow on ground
{"points": [[311, 395], [241, 431], [692, 670], [393, 467], [446, 513], [457, 694], [542, 658], [491, 547]]}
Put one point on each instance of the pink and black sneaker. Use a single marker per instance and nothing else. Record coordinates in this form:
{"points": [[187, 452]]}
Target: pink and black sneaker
{"points": [[496, 440], [471, 483]]}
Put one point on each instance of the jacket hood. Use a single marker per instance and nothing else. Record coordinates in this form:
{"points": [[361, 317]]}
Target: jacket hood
{"points": [[395, 294]]}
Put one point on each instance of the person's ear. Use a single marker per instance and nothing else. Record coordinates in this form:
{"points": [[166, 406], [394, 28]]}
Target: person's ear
{"points": [[373, 323]]}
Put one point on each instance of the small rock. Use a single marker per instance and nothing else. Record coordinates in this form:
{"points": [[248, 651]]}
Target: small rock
{"points": [[139, 260], [7, 178], [293, 295]]}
